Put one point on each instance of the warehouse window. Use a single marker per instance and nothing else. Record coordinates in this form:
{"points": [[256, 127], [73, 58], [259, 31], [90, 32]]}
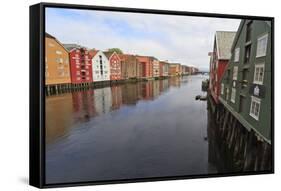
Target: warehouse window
{"points": [[233, 94], [259, 74], [227, 93], [261, 46], [58, 52], [222, 88], [247, 54], [235, 72], [236, 55], [255, 108]]}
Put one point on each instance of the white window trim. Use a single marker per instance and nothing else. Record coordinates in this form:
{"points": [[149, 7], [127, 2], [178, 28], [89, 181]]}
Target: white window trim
{"points": [[227, 93], [255, 99], [259, 66], [260, 38], [236, 57], [233, 96], [235, 77]]}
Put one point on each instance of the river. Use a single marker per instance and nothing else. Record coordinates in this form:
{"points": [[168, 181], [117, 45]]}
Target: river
{"points": [[133, 130]]}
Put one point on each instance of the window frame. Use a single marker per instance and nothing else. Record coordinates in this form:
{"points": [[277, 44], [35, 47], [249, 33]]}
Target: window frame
{"points": [[260, 65], [233, 95], [258, 54], [236, 76], [236, 55], [252, 114], [222, 88]]}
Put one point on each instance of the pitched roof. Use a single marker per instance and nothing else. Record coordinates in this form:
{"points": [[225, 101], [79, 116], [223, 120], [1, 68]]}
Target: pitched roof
{"points": [[93, 52], [49, 36], [224, 40], [108, 54], [69, 47]]}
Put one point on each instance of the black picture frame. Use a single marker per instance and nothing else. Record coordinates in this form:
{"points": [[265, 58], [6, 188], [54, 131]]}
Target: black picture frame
{"points": [[37, 92]]}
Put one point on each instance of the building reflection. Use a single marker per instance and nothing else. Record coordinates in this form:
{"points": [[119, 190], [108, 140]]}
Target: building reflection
{"points": [[147, 90], [83, 105], [174, 82], [116, 94], [103, 100], [67, 109], [130, 94], [59, 109]]}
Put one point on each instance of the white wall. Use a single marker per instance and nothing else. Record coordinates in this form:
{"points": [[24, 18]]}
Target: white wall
{"points": [[96, 68], [14, 99]]}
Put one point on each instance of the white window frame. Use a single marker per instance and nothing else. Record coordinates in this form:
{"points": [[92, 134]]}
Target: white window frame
{"points": [[58, 52], [235, 73], [261, 51], [237, 54], [233, 95], [259, 81], [255, 101], [227, 93], [222, 88]]}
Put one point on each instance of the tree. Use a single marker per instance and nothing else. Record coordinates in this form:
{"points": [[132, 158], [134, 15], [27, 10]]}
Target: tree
{"points": [[117, 50]]}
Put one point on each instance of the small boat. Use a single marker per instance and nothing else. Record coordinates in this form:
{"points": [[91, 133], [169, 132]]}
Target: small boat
{"points": [[200, 97]]}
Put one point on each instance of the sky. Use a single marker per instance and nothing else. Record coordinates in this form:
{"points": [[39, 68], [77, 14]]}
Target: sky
{"points": [[182, 39]]}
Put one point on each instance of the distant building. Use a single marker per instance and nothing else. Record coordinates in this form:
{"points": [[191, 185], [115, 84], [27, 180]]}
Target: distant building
{"points": [[130, 67], [80, 64], [115, 65], [219, 59], [163, 69], [100, 66], [146, 66], [155, 63], [174, 69], [246, 84], [57, 68]]}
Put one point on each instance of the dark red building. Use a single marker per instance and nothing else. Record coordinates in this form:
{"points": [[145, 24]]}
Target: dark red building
{"points": [[146, 66], [80, 64], [218, 60]]}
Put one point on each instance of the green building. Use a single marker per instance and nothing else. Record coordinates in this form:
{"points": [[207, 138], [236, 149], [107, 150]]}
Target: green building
{"points": [[246, 83]]}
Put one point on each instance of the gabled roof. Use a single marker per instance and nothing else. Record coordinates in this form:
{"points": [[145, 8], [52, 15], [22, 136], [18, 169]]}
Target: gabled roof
{"points": [[70, 47], [237, 34], [47, 35], [224, 40], [109, 54], [93, 52]]}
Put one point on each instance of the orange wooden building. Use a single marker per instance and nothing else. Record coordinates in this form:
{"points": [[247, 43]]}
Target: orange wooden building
{"points": [[57, 70]]}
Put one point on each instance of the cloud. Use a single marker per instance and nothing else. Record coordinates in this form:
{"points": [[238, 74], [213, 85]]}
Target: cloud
{"points": [[183, 39]]}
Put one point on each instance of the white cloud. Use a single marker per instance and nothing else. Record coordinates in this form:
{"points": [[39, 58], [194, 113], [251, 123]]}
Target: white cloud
{"points": [[181, 39]]}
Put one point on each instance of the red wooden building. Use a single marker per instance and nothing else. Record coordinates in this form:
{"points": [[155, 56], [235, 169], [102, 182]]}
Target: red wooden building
{"points": [[80, 64], [115, 65], [146, 66], [218, 60]]}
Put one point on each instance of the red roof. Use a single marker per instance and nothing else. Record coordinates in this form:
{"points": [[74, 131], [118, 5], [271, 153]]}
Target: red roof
{"points": [[93, 52]]}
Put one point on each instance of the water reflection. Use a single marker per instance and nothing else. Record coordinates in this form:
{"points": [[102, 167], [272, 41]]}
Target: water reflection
{"points": [[133, 130]]}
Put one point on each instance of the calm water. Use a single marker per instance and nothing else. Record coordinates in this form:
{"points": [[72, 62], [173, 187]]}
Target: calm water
{"points": [[148, 129]]}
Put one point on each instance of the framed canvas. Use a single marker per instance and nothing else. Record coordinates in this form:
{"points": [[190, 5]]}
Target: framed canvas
{"points": [[126, 95]]}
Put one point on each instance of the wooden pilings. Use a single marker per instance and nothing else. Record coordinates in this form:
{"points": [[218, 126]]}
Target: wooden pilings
{"points": [[64, 88], [243, 149]]}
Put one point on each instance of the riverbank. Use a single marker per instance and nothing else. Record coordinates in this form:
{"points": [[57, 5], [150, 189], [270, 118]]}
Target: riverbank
{"points": [[244, 151], [65, 88]]}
